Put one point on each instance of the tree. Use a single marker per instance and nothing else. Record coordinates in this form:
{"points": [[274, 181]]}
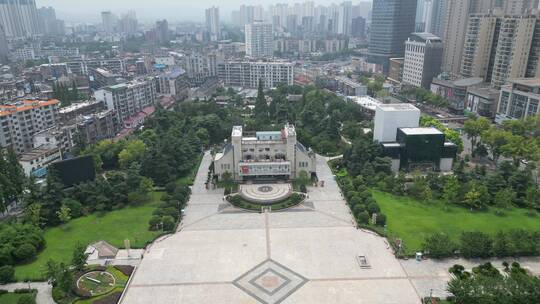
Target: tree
{"points": [[32, 215], [78, 260], [451, 190], [133, 152], [495, 138], [25, 252], [64, 214], [504, 198], [261, 107], [474, 128], [7, 274], [168, 223]]}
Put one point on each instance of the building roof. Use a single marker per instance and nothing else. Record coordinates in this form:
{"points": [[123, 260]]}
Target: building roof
{"points": [[421, 131], [467, 82], [38, 152], [397, 107], [532, 82], [426, 37], [103, 249], [26, 105], [367, 102]]}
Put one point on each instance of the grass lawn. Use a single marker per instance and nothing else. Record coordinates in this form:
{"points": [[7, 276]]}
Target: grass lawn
{"points": [[113, 227], [413, 221], [12, 298]]}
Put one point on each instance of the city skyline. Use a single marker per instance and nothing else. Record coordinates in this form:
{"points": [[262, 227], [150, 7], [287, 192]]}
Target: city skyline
{"points": [[175, 11]]}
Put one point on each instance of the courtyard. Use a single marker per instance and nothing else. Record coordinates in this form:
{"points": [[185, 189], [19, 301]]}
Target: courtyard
{"points": [[311, 253]]}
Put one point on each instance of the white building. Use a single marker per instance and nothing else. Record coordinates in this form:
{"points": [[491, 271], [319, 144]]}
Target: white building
{"points": [[264, 155], [519, 99], [259, 40], [212, 23], [130, 98], [21, 121], [247, 74], [390, 117], [423, 58], [35, 161], [19, 18]]}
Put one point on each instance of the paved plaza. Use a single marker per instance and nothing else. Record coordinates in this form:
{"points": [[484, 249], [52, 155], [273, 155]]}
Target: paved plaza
{"points": [[307, 254]]}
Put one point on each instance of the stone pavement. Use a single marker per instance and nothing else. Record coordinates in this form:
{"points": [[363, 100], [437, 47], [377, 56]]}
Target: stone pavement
{"points": [[44, 295], [307, 254]]}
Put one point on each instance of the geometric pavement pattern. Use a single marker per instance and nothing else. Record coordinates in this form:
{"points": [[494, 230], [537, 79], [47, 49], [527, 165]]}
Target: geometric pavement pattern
{"points": [[270, 282]]}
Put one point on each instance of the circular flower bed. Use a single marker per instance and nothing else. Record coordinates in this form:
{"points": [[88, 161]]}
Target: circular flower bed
{"points": [[95, 283]]}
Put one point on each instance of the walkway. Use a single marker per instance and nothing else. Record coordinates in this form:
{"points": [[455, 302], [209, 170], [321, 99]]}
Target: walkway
{"points": [[44, 295]]}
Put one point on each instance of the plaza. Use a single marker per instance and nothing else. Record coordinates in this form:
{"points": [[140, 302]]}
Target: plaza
{"points": [[311, 253]]}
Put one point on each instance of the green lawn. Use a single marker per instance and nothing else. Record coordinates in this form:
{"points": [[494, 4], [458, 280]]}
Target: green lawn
{"points": [[113, 227], [412, 221], [11, 298]]}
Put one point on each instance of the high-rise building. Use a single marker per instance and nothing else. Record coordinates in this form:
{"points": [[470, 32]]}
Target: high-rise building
{"points": [[162, 31], [19, 18], [259, 40], [392, 23], [498, 48], [435, 23], [358, 27], [344, 18], [108, 22], [4, 50], [455, 26], [423, 57], [128, 23], [212, 23], [517, 7]]}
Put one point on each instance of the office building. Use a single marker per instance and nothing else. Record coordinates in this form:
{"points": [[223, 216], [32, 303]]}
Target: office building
{"points": [[20, 121], [130, 98], [200, 67], [174, 84], [108, 21], [19, 18], [392, 23], [128, 23], [248, 74], [409, 146], [48, 23], [344, 18], [422, 61], [259, 40], [264, 155], [519, 99], [358, 27], [395, 73], [212, 23], [518, 7]]}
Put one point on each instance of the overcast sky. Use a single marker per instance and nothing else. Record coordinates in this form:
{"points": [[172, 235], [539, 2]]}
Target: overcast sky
{"points": [[151, 10]]}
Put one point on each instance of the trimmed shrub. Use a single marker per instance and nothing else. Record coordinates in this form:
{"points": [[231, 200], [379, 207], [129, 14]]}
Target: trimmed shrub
{"points": [[303, 188], [476, 245], [381, 219], [168, 223], [26, 299], [111, 298], [439, 245], [3, 291], [25, 290], [363, 218]]}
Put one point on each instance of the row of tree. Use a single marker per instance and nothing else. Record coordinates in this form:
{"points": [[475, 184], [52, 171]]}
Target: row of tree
{"points": [[481, 245]]}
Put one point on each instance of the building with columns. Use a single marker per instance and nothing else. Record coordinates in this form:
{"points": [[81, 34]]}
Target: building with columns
{"points": [[268, 155]]}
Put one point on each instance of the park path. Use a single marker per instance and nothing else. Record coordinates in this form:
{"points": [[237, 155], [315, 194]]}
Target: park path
{"points": [[44, 295]]}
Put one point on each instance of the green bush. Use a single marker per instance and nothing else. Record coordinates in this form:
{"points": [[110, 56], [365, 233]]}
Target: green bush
{"points": [[7, 274], [381, 219], [373, 208], [154, 222], [26, 299], [168, 223], [476, 245], [359, 208], [363, 218], [439, 245]]}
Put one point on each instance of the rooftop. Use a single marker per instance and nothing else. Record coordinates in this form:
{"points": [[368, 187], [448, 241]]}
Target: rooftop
{"points": [[421, 131], [397, 107], [532, 82], [366, 102]]}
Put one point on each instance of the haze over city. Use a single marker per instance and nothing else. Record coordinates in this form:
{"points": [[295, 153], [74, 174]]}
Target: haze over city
{"points": [[270, 151], [173, 10]]}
